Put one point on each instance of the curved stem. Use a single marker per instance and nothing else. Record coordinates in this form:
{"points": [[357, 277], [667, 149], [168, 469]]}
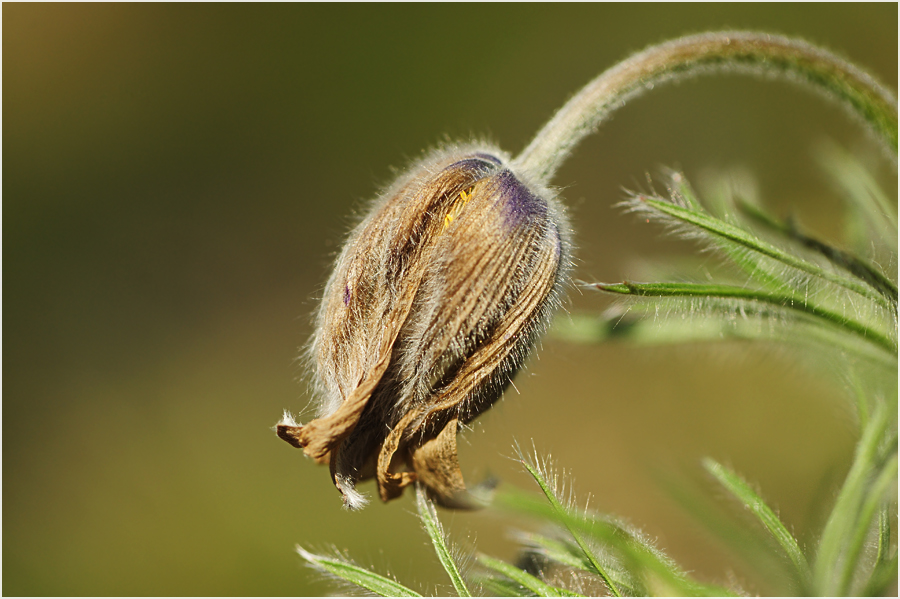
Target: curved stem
{"points": [[728, 51]]}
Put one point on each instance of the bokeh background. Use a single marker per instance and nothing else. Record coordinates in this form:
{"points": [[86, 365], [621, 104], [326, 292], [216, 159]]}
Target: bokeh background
{"points": [[177, 179]]}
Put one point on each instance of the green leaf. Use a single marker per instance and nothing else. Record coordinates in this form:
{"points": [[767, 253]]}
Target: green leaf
{"points": [[743, 238], [532, 583], [568, 554], [637, 325], [350, 572], [786, 301], [500, 587], [882, 556], [857, 267], [560, 512], [751, 544], [874, 499], [836, 547], [755, 504], [884, 576], [640, 556], [436, 533], [865, 196], [556, 551], [752, 263]]}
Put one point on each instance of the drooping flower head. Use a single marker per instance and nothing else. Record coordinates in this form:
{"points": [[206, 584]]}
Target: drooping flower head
{"points": [[435, 301]]}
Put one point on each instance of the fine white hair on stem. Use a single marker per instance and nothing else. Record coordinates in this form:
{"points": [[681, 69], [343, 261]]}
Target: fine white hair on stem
{"points": [[725, 51]]}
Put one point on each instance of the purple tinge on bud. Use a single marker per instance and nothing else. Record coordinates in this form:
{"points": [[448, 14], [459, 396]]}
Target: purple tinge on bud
{"points": [[434, 303]]}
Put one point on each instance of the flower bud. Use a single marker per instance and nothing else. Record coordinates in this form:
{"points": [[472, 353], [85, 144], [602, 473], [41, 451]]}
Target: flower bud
{"points": [[434, 303]]}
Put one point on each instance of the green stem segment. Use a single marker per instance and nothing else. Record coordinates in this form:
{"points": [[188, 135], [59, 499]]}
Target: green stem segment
{"points": [[727, 51]]}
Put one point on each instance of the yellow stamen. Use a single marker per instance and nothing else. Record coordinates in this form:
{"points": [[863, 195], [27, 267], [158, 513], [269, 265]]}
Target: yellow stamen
{"points": [[457, 206]]}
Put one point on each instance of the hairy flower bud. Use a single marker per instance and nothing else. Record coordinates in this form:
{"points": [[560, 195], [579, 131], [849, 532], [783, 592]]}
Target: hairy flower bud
{"points": [[434, 303]]}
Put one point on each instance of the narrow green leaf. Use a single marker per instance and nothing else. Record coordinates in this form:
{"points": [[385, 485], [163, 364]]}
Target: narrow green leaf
{"points": [[641, 556], [436, 533], [749, 543], [639, 326], [864, 194], [346, 570], [532, 583], [753, 502], [884, 576], [500, 586], [857, 267], [882, 555], [560, 512], [755, 265], [786, 301], [556, 551], [874, 499], [751, 263], [862, 401], [569, 554], [844, 517], [741, 237]]}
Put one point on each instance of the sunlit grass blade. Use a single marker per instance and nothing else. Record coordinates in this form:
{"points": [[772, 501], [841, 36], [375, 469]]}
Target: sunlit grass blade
{"points": [[785, 301], [435, 531], [744, 238], [350, 572], [845, 517], [755, 504], [526, 580]]}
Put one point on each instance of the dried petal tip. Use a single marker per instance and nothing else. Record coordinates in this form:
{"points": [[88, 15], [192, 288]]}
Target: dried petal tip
{"points": [[287, 419], [288, 429], [435, 301]]}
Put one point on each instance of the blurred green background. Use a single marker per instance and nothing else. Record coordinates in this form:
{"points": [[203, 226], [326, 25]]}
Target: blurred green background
{"points": [[176, 181]]}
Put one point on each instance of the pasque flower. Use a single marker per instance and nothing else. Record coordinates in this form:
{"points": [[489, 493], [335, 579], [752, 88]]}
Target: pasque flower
{"points": [[443, 288], [435, 301]]}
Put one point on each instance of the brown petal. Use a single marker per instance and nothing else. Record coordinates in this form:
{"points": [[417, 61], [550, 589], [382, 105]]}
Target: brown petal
{"points": [[437, 467], [390, 484]]}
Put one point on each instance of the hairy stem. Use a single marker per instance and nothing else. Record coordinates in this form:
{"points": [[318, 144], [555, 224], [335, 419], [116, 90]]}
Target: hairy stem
{"points": [[727, 51]]}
